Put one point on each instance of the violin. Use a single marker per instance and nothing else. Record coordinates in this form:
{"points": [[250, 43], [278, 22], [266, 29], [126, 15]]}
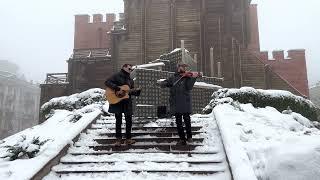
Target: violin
{"points": [[191, 74], [188, 74]]}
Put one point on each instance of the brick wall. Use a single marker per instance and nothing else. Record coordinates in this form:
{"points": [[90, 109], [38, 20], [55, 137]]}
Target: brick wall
{"points": [[292, 68], [254, 43], [156, 27], [93, 33]]}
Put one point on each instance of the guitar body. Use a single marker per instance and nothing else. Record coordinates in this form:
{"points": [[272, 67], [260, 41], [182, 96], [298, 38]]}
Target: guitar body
{"points": [[111, 96]]}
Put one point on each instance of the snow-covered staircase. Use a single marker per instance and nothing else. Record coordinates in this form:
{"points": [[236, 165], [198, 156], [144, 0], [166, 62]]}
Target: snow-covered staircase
{"points": [[154, 156]]}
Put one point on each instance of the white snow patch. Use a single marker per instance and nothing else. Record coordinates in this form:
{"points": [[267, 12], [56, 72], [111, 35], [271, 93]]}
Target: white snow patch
{"points": [[206, 86], [270, 93], [150, 65], [202, 85], [277, 146], [144, 105], [59, 129], [178, 49]]}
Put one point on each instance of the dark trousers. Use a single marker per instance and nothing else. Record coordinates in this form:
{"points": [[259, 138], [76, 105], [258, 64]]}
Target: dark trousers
{"points": [[128, 119], [187, 122]]}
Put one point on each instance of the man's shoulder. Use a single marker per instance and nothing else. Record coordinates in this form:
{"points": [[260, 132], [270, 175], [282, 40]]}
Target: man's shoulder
{"points": [[117, 74], [114, 76], [175, 75]]}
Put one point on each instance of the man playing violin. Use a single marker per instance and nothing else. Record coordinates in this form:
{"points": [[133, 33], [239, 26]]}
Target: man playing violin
{"points": [[124, 106], [181, 84]]}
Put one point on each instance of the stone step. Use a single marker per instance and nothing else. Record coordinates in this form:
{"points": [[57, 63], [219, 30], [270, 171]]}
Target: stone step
{"points": [[157, 140], [165, 121], [123, 117], [163, 147], [166, 129], [199, 172], [142, 161], [150, 157], [142, 124], [190, 154], [123, 122], [133, 121], [155, 134], [94, 143], [151, 167], [155, 153], [142, 121]]}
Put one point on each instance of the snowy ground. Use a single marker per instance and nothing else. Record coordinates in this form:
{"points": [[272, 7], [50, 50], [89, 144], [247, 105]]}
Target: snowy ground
{"points": [[260, 143], [59, 129], [277, 146], [150, 160], [142, 176]]}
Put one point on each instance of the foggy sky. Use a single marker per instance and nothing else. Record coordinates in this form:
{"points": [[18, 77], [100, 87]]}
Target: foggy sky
{"points": [[38, 34]]}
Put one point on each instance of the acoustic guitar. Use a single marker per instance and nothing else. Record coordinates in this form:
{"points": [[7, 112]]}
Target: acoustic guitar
{"points": [[113, 98]]}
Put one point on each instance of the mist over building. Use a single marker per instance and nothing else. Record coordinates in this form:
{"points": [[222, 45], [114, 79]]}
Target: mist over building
{"points": [[19, 100]]}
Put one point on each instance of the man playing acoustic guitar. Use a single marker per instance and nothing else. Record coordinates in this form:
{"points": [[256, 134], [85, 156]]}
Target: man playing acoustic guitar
{"points": [[116, 84]]}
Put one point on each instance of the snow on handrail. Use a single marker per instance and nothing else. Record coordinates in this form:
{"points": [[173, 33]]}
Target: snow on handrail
{"points": [[201, 85], [239, 162], [148, 65]]}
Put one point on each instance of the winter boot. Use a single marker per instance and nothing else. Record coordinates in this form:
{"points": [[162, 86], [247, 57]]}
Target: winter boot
{"points": [[118, 142], [181, 142], [189, 140], [129, 141]]}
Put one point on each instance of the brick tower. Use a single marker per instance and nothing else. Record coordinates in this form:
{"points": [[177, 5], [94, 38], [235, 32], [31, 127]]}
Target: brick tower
{"points": [[93, 34]]}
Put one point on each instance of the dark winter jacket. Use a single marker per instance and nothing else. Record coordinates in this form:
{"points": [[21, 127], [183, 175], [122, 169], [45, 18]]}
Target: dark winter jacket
{"points": [[119, 79], [180, 93]]}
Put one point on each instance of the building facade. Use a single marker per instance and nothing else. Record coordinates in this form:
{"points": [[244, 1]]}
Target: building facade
{"points": [[19, 101], [216, 32], [222, 36], [315, 94]]}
